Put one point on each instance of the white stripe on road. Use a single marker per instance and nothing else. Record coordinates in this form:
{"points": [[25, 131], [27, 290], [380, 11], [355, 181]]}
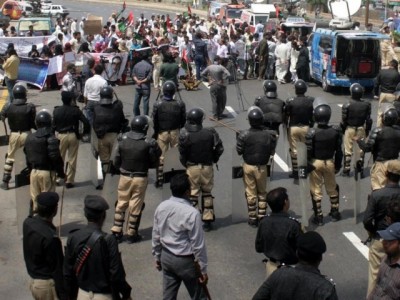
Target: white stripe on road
{"points": [[206, 85], [356, 241], [231, 111], [340, 105], [281, 163]]}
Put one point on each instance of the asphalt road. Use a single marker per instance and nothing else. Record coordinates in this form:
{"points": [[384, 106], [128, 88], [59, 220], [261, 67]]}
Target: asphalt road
{"points": [[235, 269]]}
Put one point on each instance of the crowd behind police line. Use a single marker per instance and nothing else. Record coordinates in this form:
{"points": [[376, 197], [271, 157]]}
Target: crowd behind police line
{"points": [[136, 154]]}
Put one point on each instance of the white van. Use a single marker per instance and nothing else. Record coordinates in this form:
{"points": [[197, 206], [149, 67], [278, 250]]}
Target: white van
{"points": [[258, 12], [27, 8]]}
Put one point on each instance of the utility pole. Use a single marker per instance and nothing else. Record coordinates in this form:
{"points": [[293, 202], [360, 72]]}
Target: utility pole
{"points": [[366, 13]]}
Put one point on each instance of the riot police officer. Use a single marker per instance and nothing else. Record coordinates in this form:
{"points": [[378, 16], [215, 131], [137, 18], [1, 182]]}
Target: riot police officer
{"points": [[169, 116], [324, 155], [199, 148], [134, 155], [43, 157], [356, 121], [257, 145], [66, 122], [108, 121], [21, 119], [384, 144], [272, 107], [299, 115]]}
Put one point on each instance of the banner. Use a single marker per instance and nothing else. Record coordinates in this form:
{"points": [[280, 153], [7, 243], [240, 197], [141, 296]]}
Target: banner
{"points": [[23, 45], [33, 71]]}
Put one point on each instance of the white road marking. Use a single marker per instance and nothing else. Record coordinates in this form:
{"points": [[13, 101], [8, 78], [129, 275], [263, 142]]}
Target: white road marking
{"points": [[206, 85], [99, 170], [231, 111], [340, 105], [356, 241], [281, 163]]}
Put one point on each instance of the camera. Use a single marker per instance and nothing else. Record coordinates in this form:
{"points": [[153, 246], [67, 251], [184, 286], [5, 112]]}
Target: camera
{"points": [[104, 60]]}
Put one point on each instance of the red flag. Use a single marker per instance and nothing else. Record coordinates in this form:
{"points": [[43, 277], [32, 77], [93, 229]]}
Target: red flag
{"points": [[168, 22], [124, 5], [130, 18], [189, 10]]}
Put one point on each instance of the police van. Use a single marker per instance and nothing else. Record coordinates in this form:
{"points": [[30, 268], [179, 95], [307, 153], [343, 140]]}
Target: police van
{"points": [[343, 57], [258, 12]]}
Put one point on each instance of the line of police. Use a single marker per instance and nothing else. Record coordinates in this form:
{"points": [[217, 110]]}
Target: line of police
{"points": [[199, 147]]}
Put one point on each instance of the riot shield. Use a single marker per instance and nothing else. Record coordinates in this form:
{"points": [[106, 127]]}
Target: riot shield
{"points": [[303, 181], [150, 130], [22, 191], [172, 166], [4, 138], [285, 142], [319, 101], [239, 202], [96, 174], [110, 193], [357, 178]]}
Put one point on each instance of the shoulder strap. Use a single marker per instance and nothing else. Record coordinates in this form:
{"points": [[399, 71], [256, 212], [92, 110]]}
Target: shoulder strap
{"points": [[86, 250]]}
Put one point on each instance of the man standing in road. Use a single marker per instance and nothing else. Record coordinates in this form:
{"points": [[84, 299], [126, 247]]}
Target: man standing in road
{"points": [[21, 119], [10, 67], [199, 149], [43, 157], [304, 280], [43, 252], [141, 75], [375, 219], [356, 121], [278, 232], [66, 120], [257, 146], [200, 54], [324, 156], [299, 115], [385, 87], [178, 243], [218, 76], [92, 91], [263, 53], [134, 155], [93, 267], [169, 116], [69, 82]]}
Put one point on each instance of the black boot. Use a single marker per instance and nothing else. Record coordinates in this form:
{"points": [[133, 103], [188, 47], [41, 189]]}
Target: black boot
{"points": [[318, 217], [335, 214], [294, 174]]}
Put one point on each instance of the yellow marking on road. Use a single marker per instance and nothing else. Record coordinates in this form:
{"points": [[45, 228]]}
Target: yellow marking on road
{"points": [[3, 98]]}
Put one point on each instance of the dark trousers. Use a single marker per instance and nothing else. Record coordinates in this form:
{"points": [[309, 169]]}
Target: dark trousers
{"points": [[10, 85], [177, 269], [200, 65], [263, 67], [218, 99], [303, 73], [141, 94]]}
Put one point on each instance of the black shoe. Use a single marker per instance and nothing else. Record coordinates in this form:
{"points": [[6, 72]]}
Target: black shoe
{"points": [[131, 239], [253, 223], [318, 220], [99, 187], [4, 185], [69, 185], [158, 184], [345, 173], [118, 236], [335, 215], [294, 175], [207, 226]]}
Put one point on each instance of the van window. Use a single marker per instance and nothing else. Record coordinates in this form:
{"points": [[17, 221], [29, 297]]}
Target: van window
{"points": [[325, 44], [233, 13], [262, 18], [37, 25]]}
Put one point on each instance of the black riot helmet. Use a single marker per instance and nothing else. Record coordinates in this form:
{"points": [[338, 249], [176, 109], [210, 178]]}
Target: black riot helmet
{"points": [[255, 116], [356, 91], [195, 116], [43, 119], [106, 95], [19, 92], [169, 88], [390, 117], [322, 114], [300, 87], [270, 89], [139, 124]]}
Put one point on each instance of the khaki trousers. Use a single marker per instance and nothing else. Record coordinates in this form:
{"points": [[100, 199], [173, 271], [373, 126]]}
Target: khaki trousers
{"points": [[383, 98], [16, 141], [131, 193], [43, 289], [255, 183], [83, 295], [41, 181], [106, 145], [375, 256], [295, 135], [271, 267], [167, 139], [324, 174], [378, 175], [349, 134], [201, 179], [70, 143]]}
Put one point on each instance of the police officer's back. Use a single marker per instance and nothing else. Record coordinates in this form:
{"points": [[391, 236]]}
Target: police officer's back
{"points": [[21, 119], [272, 107], [101, 271]]}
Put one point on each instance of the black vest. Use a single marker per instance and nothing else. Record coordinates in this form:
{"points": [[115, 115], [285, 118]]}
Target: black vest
{"points": [[66, 118], [358, 112], [257, 147], [107, 118], [20, 117], [325, 142], [134, 154], [36, 149], [387, 145], [272, 109], [302, 111], [169, 115], [201, 146]]}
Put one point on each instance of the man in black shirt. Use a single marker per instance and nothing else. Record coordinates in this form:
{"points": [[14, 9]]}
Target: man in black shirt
{"points": [[43, 250], [278, 232], [101, 271], [304, 280]]}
